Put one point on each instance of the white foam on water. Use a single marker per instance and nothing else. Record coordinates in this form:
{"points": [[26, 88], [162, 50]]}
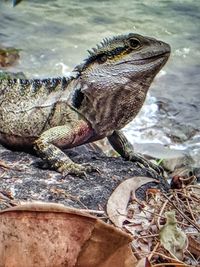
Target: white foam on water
{"points": [[65, 70], [142, 132], [143, 128]]}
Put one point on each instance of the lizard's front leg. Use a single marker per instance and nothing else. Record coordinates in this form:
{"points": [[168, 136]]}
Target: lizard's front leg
{"points": [[121, 144], [49, 143]]}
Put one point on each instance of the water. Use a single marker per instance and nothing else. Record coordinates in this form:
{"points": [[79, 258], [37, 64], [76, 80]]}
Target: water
{"points": [[55, 34]]}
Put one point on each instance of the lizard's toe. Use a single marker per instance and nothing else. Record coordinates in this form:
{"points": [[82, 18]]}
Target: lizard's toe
{"points": [[153, 168], [91, 168], [80, 170]]}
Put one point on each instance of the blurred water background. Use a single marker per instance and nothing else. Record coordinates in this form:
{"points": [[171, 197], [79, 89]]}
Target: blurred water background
{"points": [[53, 36]]}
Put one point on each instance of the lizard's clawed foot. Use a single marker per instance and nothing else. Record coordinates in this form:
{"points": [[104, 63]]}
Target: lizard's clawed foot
{"points": [[76, 169], [155, 169]]}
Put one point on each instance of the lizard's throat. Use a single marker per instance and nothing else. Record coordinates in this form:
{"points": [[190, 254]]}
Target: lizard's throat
{"points": [[108, 109]]}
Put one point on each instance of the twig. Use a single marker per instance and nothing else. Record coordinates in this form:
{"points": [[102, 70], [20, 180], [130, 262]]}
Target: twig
{"points": [[185, 206], [169, 258], [161, 211], [183, 214], [156, 214], [193, 186], [137, 254], [191, 256], [153, 251], [179, 202], [4, 165], [147, 236], [186, 196], [195, 197], [184, 224], [171, 264], [191, 179], [188, 204]]}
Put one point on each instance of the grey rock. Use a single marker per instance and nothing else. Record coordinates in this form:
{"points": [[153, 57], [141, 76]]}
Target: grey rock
{"points": [[25, 181]]}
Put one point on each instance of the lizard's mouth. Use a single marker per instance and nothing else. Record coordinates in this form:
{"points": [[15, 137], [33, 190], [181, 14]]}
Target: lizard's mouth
{"points": [[165, 54], [150, 59]]}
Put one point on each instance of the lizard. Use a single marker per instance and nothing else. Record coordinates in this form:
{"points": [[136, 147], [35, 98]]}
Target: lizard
{"points": [[105, 93]]}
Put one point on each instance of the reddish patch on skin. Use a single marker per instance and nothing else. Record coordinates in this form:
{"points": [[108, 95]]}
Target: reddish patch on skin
{"points": [[82, 134]]}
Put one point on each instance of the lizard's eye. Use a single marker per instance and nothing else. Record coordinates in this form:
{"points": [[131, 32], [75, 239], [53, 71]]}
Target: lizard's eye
{"points": [[102, 58], [134, 43]]}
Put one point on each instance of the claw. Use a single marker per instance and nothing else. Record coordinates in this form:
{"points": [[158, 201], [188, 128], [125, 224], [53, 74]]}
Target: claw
{"points": [[97, 170], [92, 168]]}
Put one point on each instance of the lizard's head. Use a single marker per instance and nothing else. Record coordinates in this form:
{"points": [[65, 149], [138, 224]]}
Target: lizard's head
{"points": [[125, 56], [114, 79]]}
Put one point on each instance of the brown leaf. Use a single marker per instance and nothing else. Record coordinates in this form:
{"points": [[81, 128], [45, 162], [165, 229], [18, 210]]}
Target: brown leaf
{"points": [[118, 201], [35, 235]]}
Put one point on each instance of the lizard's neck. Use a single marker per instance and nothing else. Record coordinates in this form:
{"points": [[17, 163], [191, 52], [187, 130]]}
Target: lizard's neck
{"points": [[109, 106]]}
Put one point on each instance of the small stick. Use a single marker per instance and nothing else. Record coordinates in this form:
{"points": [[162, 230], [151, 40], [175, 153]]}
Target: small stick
{"points": [[192, 256], [4, 165], [183, 214], [187, 196], [152, 252], [193, 185], [147, 236], [160, 213], [169, 258], [171, 264], [189, 207]]}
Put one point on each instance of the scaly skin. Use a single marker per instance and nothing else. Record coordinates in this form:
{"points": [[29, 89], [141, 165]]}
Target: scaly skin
{"points": [[106, 93]]}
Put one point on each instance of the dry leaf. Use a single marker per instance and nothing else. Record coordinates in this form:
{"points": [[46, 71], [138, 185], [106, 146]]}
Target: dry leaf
{"points": [[152, 192], [118, 201], [35, 235], [171, 237]]}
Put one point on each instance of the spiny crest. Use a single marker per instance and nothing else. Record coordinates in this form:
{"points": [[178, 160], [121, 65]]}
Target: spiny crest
{"points": [[49, 84], [106, 46]]}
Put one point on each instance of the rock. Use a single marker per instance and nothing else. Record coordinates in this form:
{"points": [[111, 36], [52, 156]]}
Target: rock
{"points": [[172, 159], [8, 56], [11, 75], [172, 164], [158, 151], [23, 180]]}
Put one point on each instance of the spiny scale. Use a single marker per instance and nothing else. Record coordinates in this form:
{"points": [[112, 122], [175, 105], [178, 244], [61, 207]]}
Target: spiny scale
{"points": [[107, 44], [49, 84]]}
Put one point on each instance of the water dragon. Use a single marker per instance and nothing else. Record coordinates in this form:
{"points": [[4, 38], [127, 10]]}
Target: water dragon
{"points": [[105, 93]]}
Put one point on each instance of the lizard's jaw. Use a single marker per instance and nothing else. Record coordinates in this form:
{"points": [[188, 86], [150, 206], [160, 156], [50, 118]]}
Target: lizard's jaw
{"points": [[164, 56], [158, 54]]}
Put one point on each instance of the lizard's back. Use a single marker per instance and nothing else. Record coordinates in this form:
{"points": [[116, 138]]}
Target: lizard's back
{"points": [[27, 108]]}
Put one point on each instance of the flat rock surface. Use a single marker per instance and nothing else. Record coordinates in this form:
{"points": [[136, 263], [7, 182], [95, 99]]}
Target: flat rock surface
{"points": [[22, 179]]}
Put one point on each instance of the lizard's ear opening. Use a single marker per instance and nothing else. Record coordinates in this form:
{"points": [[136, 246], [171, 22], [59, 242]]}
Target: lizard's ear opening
{"points": [[77, 98]]}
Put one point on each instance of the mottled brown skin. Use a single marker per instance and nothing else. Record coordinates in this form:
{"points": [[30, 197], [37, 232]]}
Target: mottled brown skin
{"points": [[106, 93]]}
